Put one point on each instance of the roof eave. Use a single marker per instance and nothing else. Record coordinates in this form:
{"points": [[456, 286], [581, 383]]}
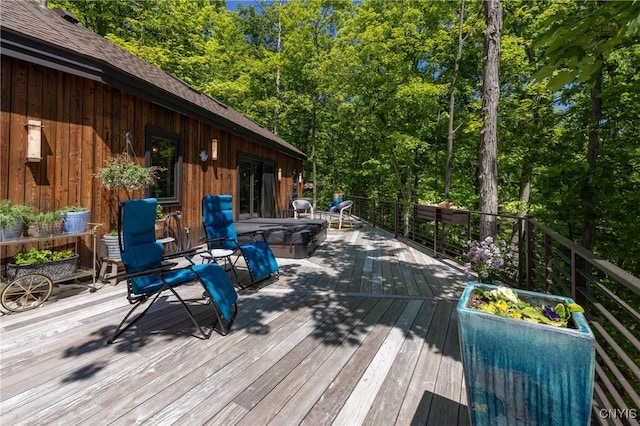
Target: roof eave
{"points": [[31, 50]]}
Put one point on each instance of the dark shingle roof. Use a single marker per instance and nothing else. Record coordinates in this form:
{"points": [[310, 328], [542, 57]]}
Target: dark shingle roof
{"points": [[44, 36]]}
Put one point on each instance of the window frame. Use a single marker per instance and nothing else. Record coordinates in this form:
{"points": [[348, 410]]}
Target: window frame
{"points": [[150, 134]]}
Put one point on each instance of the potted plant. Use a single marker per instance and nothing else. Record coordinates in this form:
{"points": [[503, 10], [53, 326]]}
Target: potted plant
{"points": [[486, 258], [110, 246], [528, 357], [160, 222], [48, 223], [54, 264], [12, 218], [122, 172], [75, 218]]}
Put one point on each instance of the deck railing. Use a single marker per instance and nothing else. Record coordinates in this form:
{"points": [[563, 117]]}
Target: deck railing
{"points": [[543, 260]]}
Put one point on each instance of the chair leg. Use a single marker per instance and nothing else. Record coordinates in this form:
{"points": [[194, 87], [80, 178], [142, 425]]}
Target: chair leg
{"points": [[193, 319], [119, 330], [224, 326]]}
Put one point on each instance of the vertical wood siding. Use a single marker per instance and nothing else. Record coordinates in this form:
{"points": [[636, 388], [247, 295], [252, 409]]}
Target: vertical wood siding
{"points": [[84, 122]]}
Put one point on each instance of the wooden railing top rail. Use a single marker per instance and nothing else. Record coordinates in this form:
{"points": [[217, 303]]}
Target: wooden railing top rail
{"points": [[620, 275]]}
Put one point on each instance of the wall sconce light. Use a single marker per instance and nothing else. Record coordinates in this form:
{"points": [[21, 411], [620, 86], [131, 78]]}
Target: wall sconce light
{"points": [[204, 155], [300, 178], [279, 174], [34, 141], [214, 149]]}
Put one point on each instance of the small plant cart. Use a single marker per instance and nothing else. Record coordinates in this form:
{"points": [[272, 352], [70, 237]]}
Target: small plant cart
{"points": [[30, 290]]}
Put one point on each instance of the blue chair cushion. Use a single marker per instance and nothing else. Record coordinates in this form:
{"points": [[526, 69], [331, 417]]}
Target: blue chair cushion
{"points": [[142, 257], [151, 283], [219, 286], [217, 218], [139, 216], [260, 259]]}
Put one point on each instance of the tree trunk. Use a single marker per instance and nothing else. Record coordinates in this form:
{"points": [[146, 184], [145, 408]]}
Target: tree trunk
{"points": [[589, 192], [488, 147], [276, 114], [452, 101], [312, 135]]}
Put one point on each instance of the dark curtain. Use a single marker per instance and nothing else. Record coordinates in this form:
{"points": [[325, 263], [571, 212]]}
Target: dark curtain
{"points": [[268, 207]]}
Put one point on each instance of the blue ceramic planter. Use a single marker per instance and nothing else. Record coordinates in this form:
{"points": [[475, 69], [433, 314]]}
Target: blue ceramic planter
{"points": [[522, 373], [75, 222]]}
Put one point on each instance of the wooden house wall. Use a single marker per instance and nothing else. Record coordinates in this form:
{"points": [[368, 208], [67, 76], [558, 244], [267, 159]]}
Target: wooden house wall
{"points": [[84, 122]]}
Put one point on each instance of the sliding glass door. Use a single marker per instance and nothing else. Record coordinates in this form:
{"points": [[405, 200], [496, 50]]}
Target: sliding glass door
{"points": [[256, 188], [250, 181]]}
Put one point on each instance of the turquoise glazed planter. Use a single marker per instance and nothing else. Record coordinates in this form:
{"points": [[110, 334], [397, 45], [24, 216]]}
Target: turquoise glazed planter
{"points": [[522, 373]]}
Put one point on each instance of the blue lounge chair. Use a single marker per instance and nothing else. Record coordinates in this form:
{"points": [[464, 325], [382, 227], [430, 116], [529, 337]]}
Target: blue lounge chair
{"points": [[148, 273], [220, 233]]}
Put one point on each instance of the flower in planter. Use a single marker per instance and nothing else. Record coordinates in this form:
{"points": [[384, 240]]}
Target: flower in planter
{"points": [[505, 302], [486, 258]]}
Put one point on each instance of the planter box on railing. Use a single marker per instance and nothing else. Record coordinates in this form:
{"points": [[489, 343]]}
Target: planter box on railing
{"points": [[425, 212], [442, 214], [453, 216], [56, 270]]}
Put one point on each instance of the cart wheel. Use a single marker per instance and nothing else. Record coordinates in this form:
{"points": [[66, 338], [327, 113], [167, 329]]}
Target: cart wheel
{"points": [[26, 292]]}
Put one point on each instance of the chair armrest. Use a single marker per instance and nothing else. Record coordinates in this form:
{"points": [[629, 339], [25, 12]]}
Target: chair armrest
{"points": [[218, 240], [164, 267], [189, 253]]}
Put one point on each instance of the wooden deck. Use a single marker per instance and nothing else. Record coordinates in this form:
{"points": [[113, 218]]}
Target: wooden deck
{"points": [[362, 332]]}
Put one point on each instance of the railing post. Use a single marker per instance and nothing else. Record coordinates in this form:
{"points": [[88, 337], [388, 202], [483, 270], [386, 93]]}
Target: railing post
{"points": [[522, 252], [548, 263], [435, 235], [530, 264], [579, 286], [396, 219], [374, 213]]}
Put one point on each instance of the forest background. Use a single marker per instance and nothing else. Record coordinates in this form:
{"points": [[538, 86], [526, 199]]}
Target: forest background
{"points": [[385, 97]]}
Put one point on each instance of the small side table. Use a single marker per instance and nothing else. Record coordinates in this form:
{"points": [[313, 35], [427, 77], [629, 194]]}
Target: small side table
{"points": [[106, 262], [214, 255]]}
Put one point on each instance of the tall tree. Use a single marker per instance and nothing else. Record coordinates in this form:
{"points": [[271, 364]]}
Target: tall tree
{"points": [[579, 45], [452, 103], [488, 147]]}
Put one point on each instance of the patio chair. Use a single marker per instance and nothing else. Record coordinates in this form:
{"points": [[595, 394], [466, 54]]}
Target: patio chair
{"points": [[341, 213], [302, 208], [148, 274], [220, 234]]}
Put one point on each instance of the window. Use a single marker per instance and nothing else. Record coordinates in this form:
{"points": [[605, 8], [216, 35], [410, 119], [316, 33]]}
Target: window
{"points": [[164, 149]]}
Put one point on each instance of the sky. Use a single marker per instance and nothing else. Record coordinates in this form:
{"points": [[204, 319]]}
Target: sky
{"points": [[233, 4]]}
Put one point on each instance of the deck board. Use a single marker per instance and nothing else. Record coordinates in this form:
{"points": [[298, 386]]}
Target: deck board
{"points": [[362, 332]]}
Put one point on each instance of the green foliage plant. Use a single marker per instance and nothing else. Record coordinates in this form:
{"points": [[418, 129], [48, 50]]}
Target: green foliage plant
{"points": [[47, 217], [505, 302], [71, 209], [121, 171], [40, 256], [10, 213]]}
